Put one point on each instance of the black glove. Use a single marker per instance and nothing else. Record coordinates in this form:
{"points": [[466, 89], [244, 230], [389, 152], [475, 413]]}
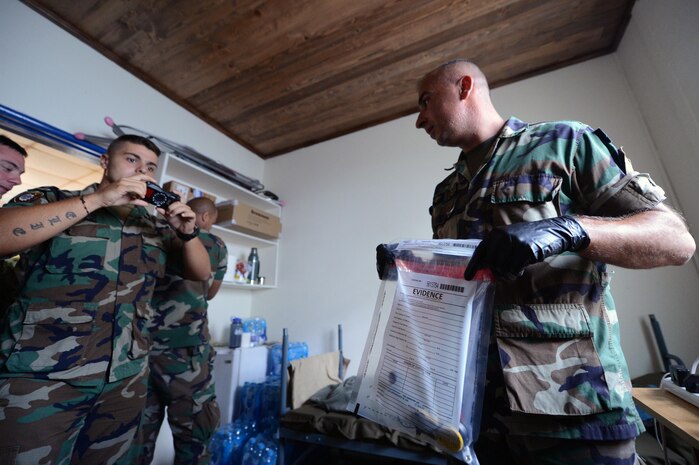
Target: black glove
{"points": [[509, 249], [385, 258]]}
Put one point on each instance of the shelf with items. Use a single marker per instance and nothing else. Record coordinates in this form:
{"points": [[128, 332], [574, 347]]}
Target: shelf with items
{"points": [[238, 243], [227, 234], [249, 287], [239, 246], [173, 168]]}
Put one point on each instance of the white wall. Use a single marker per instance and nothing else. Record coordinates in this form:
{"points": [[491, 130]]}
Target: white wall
{"points": [[344, 197], [347, 195]]}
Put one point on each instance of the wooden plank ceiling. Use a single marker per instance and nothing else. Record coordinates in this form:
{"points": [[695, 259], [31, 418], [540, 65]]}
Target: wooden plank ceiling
{"points": [[278, 75]]}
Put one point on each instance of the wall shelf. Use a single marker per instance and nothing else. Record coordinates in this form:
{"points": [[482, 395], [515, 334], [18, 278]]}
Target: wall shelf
{"points": [[173, 168]]}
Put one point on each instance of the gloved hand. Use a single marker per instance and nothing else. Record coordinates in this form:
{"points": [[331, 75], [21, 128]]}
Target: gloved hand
{"points": [[509, 249], [385, 258]]}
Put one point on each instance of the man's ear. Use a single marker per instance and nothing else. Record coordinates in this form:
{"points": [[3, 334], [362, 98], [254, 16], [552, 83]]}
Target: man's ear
{"points": [[465, 86], [104, 161], [203, 219]]}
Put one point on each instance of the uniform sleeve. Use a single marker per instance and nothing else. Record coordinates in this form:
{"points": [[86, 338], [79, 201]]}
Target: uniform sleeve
{"points": [[37, 196], [222, 261], [167, 234], [607, 183]]}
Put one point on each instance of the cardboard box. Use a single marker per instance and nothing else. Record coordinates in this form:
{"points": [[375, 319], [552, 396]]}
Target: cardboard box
{"points": [[244, 218], [183, 190]]}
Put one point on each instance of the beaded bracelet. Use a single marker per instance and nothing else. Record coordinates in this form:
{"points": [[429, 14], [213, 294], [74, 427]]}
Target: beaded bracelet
{"points": [[82, 200]]}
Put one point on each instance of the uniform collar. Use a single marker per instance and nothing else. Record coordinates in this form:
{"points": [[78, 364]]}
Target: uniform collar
{"points": [[512, 127]]}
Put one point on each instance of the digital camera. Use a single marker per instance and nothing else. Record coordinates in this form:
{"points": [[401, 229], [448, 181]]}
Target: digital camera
{"points": [[155, 195]]}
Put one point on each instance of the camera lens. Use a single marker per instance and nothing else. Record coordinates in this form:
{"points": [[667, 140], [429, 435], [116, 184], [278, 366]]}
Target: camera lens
{"points": [[159, 199]]}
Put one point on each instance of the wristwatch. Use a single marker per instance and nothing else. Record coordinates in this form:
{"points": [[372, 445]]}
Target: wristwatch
{"points": [[187, 237]]}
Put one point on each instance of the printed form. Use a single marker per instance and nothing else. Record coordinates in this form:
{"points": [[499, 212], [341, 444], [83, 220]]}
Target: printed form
{"points": [[416, 370], [420, 367]]}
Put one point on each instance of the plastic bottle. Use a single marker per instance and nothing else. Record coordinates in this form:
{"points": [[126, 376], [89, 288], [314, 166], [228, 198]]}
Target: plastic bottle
{"points": [[253, 266], [236, 334], [222, 445], [250, 327], [241, 433], [249, 452], [270, 453]]}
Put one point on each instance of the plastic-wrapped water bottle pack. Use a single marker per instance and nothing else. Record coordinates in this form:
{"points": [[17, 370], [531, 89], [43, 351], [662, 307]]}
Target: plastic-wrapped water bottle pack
{"points": [[228, 442], [244, 443]]}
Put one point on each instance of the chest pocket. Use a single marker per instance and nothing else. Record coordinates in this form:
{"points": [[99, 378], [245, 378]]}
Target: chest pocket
{"points": [[79, 249], [527, 197]]}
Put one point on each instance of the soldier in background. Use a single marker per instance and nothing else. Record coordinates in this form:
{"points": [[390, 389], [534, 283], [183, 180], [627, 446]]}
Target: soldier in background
{"points": [[74, 346], [182, 357], [12, 157], [554, 204]]}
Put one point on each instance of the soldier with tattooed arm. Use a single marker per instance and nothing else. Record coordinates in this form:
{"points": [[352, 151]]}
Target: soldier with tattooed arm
{"points": [[73, 347]]}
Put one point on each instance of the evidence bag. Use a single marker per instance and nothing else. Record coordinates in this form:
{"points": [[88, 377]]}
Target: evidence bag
{"points": [[423, 366]]}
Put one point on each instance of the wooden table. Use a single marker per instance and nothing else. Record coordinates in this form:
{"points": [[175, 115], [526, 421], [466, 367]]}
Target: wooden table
{"points": [[673, 413]]}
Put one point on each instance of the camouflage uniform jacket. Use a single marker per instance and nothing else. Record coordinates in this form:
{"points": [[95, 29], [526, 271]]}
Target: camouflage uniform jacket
{"points": [[180, 305], [82, 308], [556, 327]]}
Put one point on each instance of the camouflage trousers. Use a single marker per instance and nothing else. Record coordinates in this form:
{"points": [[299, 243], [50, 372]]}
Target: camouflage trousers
{"points": [[529, 450], [181, 380], [53, 422]]}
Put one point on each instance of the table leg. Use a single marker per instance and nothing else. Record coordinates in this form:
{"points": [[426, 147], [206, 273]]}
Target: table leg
{"points": [[662, 441]]}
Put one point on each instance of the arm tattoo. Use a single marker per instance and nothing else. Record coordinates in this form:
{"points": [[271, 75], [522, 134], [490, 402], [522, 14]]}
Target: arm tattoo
{"points": [[19, 231]]}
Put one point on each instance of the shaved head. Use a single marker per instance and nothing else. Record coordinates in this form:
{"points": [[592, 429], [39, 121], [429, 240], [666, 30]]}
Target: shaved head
{"points": [[201, 205], [454, 70], [455, 105]]}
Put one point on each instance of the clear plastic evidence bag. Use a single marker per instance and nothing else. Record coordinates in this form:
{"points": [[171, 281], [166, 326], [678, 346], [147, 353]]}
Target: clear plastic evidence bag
{"points": [[423, 367]]}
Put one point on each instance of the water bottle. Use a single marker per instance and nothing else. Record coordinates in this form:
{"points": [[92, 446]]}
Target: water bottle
{"points": [[241, 433], [236, 334], [254, 450], [253, 266], [221, 446], [270, 453], [249, 451]]}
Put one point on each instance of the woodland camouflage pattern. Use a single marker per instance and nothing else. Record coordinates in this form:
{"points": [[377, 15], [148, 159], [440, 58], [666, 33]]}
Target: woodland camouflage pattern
{"points": [[556, 327], [182, 361], [79, 329], [180, 305], [86, 299], [182, 380]]}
